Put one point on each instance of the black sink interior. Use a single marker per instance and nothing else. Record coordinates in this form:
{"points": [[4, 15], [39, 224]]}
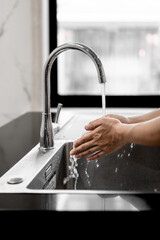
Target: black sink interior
{"points": [[131, 168]]}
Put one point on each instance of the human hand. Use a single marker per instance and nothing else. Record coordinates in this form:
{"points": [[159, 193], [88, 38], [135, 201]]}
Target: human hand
{"points": [[104, 136], [121, 118]]}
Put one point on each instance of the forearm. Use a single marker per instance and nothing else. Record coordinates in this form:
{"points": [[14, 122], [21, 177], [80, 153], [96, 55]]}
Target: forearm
{"points": [[144, 133], [144, 117]]}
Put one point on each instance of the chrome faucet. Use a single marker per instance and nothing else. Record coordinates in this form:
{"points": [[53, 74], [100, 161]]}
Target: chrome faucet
{"points": [[46, 131]]}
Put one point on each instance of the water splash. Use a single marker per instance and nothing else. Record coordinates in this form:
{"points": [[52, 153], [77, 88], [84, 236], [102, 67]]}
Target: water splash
{"points": [[128, 153], [73, 172], [87, 174], [125, 154]]}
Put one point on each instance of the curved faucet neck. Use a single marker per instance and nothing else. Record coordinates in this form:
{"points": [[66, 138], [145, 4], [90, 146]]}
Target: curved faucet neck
{"points": [[52, 57]]}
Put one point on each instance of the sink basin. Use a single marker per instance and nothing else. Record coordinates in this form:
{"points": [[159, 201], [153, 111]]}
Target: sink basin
{"points": [[133, 168]]}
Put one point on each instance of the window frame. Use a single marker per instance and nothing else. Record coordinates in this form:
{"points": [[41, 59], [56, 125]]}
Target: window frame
{"points": [[112, 101]]}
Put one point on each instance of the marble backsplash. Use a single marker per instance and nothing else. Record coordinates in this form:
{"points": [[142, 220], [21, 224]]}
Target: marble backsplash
{"points": [[22, 55]]}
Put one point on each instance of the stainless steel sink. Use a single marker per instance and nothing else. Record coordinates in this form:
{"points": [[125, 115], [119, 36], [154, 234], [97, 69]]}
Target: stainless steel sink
{"points": [[133, 168], [128, 179]]}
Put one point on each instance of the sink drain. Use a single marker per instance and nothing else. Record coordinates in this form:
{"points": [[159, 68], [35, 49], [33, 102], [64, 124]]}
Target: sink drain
{"points": [[15, 180]]}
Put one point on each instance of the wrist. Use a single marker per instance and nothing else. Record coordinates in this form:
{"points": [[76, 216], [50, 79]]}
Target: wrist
{"points": [[126, 133]]}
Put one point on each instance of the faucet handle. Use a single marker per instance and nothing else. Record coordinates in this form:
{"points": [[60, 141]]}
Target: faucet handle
{"points": [[58, 112]]}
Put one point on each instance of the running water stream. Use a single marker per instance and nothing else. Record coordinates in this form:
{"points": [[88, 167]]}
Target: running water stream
{"points": [[103, 109], [103, 99]]}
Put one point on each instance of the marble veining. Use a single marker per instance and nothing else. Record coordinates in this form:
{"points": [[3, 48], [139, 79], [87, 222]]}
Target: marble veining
{"points": [[7, 17], [23, 80], [20, 57]]}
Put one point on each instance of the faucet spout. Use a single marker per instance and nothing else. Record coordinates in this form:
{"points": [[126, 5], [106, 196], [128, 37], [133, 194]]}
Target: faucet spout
{"points": [[46, 131]]}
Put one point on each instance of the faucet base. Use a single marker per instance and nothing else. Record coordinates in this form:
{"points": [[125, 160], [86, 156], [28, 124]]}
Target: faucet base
{"points": [[45, 149], [46, 132]]}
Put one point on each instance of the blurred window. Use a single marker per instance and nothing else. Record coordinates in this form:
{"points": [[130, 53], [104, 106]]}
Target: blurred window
{"points": [[125, 34]]}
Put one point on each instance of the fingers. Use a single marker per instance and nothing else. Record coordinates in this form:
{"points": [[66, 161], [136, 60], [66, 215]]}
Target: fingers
{"points": [[85, 146], [85, 138], [87, 152], [96, 155], [94, 124], [87, 141]]}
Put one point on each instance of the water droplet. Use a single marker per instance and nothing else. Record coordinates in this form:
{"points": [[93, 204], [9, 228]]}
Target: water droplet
{"points": [[97, 163], [88, 181]]}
